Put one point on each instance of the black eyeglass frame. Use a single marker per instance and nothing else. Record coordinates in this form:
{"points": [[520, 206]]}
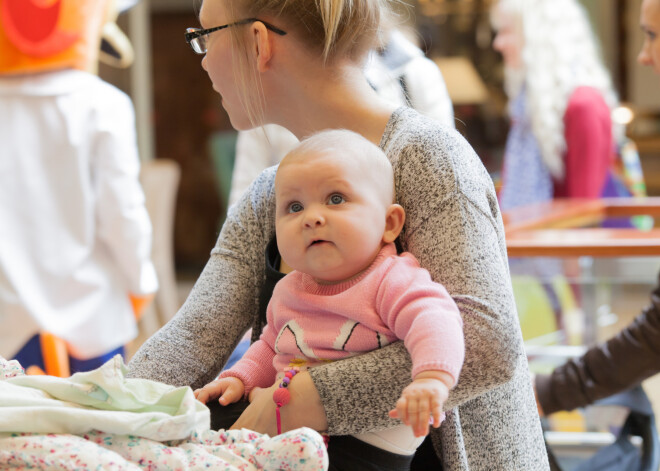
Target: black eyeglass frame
{"points": [[194, 33]]}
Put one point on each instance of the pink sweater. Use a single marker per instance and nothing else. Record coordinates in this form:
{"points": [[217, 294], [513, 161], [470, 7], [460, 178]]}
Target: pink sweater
{"points": [[393, 299], [589, 147]]}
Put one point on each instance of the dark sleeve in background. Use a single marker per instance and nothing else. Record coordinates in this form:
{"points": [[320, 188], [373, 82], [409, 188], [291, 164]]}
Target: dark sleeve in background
{"points": [[622, 362]]}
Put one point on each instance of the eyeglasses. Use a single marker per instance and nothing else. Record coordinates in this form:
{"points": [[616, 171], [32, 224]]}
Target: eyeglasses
{"points": [[197, 37]]}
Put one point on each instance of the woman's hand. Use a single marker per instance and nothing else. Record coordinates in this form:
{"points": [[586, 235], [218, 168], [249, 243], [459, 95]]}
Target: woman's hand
{"points": [[303, 410]]}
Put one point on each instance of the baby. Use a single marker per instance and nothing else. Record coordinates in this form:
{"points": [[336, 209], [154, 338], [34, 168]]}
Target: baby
{"points": [[350, 292]]}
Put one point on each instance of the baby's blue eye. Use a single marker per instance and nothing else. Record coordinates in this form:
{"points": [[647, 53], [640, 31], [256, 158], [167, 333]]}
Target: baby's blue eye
{"points": [[295, 207], [336, 199]]}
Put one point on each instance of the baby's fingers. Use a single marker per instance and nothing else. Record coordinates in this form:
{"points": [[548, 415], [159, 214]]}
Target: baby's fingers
{"points": [[232, 394], [401, 410], [202, 395], [436, 412], [420, 424]]}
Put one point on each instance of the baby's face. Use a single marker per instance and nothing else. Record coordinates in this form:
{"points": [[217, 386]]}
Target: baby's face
{"points": [[330, 216]]}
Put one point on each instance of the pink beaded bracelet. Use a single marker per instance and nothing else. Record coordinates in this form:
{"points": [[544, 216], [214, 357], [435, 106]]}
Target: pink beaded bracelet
{"points": [[282, 396]]}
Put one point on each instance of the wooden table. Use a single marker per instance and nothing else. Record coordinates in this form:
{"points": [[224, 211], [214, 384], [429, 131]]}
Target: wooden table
{"points": [[569, 228]]}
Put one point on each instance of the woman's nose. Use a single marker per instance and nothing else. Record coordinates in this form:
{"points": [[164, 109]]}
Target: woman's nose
{"points": [[497, 42], [204, 63], [644, 58]]}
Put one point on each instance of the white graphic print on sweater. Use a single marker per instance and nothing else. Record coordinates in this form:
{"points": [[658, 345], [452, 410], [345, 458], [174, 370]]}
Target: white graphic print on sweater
{"points": [[351, 339]]}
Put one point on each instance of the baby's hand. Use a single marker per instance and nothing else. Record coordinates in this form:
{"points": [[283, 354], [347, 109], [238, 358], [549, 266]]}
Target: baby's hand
{"points": [[421, 401], [228, 389]]}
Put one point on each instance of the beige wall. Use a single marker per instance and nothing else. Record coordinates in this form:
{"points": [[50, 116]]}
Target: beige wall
{"points": [[643, 85], [602, 13]]}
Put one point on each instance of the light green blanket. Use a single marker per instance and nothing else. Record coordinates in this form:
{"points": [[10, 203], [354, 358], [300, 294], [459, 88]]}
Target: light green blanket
{"points": [[102, 399]]}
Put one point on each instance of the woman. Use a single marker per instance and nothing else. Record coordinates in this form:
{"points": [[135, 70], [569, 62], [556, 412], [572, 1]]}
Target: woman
{"points": [[633, 355], [299, 65], [560, 143], [650, 24]]}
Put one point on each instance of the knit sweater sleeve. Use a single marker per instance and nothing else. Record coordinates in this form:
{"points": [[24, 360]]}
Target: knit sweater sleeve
{"points": [[423, 314], [192, 347], [255, 368], [454, 228]]}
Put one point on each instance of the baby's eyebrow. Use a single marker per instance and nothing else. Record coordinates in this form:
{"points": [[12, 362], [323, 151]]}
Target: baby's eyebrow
{"points": [[286, 192]]}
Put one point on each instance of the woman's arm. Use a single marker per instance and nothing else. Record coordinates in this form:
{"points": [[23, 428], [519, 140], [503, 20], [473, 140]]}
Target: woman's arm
{"points": [[618, 364], [589, 147], [192, 348], [304, 409]]}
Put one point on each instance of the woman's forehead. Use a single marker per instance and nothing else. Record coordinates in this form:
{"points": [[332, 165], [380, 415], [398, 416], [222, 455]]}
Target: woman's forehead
{"points": [[212, 13], [651, 11]]}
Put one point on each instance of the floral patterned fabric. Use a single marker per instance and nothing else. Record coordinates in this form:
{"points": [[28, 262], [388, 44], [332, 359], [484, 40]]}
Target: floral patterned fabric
{"points": [[243, 450], [298, 450]]}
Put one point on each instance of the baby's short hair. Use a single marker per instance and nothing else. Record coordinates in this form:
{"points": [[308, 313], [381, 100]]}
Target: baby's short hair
{"points": [[353, 147]]}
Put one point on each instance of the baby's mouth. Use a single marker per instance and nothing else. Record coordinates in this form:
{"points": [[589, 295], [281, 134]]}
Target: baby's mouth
{"points": [[317, 242]]}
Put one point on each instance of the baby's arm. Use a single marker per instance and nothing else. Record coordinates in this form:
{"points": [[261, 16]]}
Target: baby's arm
{"points": [[422, 313], [422, 400], [229, 389], [251, 370]]}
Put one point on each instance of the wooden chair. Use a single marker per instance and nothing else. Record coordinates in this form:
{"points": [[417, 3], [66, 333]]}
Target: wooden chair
{"points": [[160, 181]]}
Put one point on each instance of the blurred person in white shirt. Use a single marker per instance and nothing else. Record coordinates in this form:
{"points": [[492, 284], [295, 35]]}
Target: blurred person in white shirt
{"points": [[76, 236]]}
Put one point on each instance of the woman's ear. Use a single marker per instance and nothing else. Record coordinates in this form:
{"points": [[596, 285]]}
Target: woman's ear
{"points": [[394, 219], [261, 38]]}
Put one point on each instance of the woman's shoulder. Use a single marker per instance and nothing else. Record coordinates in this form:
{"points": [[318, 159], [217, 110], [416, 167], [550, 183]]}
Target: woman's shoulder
{"points": [[412, 133], [251, 220], [420, 147], [417, 128], [259, 195]]}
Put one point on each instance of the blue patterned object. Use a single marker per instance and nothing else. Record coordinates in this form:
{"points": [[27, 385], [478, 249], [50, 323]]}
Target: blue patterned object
{"points": [[525, 178]]}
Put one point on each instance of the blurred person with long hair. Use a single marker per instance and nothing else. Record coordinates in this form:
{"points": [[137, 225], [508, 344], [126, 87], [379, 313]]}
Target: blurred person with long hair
{"points": [[560, 143]]}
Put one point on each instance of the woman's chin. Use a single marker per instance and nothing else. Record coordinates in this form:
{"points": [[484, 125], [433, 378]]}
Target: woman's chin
{"points": [[239, 123]]}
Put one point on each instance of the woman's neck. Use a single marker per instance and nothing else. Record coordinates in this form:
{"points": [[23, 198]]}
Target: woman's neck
{"points": [[332, 97]]}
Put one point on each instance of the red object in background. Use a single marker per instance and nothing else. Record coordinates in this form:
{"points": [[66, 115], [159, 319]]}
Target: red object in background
{"points": [[31, 25]]}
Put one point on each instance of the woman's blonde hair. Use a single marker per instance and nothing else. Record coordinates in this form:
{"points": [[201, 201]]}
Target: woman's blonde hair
{"points": [[337, 29], [559, 54]]}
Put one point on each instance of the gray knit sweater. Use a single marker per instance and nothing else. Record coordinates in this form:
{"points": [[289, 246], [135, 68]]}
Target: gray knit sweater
{"points": [[453, 226]]}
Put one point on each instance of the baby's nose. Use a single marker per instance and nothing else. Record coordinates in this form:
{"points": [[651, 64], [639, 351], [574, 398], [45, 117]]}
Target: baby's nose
{"points": [[314, 218]]}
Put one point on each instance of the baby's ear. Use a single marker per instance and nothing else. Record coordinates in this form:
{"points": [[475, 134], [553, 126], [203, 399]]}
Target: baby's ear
{"points": [[394, 219]]}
